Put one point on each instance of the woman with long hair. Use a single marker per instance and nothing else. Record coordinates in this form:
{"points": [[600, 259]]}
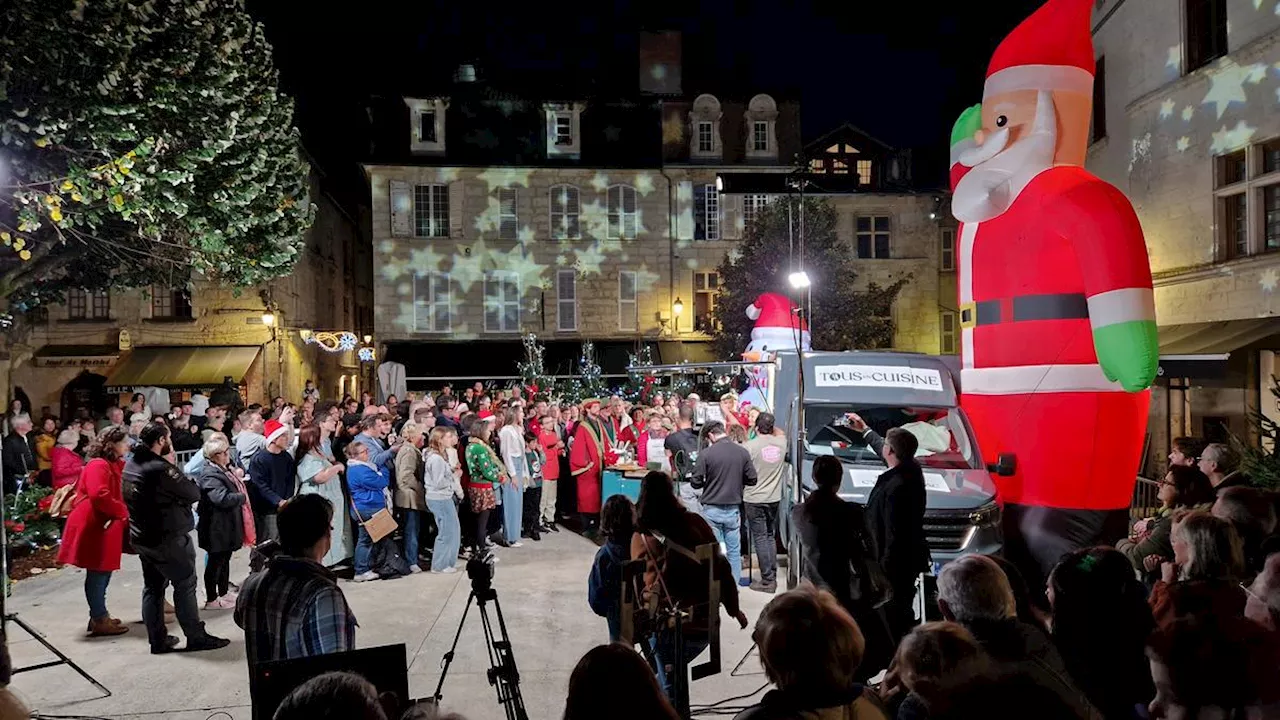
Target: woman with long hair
{"points": [[225, 520], [318, 475], [1100, 623], [485, 474], [410, 496], [612, 681], [443, 489], [94, 536], [1203, 579], [1184, 486], [512, 446]]}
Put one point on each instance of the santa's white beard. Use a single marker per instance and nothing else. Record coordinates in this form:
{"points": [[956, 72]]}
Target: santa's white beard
{"points": [[1000, 173]]}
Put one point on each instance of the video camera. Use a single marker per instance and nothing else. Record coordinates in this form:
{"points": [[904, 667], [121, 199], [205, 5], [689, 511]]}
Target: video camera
{"points": [[481, 571]]}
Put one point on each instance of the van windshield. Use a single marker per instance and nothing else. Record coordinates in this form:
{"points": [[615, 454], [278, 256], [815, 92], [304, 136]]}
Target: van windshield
{"points": [[945, 440]]}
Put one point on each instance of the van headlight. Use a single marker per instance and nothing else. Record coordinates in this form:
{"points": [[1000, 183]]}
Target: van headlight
{"points": [[986, 516]]}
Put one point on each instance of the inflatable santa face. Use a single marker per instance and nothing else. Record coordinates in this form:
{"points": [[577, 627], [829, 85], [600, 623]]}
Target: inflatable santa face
{"points": [[778, 327], [1058, 332]]}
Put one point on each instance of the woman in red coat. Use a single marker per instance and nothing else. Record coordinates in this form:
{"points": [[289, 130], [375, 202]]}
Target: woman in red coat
{"points": [[94, 536], [66, 463]]}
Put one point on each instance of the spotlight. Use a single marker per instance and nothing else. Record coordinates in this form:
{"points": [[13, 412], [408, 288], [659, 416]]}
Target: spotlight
{"points": [[799, 279]]}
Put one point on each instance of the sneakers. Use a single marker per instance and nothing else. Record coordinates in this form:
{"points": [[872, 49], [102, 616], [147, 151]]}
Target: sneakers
{"points": [[231, 595], [366, 576], [446, 571], [208, 642], [106, 627], [221, 603], [550, 527], [414, 569], [516, 544], [764, 587]]}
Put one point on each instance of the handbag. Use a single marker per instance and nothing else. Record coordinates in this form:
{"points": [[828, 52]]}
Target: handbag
{"points": [[65, 499], [380, 525]]}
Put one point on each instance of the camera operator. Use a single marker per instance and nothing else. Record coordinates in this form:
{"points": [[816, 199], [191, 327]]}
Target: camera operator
{"points": [[671, 578], [722, 470]]}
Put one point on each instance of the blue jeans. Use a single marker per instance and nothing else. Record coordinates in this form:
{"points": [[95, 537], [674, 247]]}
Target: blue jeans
{"points": [[448, 534], [726, 522], [364, 544], [664, 651], [412, 519], [95, 591], [512, 509]]}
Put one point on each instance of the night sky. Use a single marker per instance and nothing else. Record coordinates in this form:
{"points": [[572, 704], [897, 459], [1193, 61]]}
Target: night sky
{"points": [[900, 70]]}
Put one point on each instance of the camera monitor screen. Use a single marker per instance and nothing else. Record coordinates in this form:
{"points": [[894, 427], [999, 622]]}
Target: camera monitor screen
{"points": [[386, 667]]}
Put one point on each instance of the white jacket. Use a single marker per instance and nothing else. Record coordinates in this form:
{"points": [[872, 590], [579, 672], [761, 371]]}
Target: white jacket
{"points": [[511, 445]]}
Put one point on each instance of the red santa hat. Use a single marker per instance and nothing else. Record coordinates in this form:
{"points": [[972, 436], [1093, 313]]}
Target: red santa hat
{"points": [[273, 429], [776, 322], [1051, 50]]}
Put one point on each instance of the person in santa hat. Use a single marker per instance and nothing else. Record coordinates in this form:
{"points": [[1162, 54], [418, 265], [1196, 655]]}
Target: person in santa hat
{"points": [[271, 478], [588, 455], [779, 326], [1057, 315]]}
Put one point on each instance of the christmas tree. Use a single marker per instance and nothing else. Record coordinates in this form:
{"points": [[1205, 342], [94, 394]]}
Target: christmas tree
{"points": [[533, 372], [589, 383], [639, 381]]}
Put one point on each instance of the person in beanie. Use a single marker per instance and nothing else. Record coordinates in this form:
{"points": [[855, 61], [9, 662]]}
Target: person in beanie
{"points": [[271, 479]]}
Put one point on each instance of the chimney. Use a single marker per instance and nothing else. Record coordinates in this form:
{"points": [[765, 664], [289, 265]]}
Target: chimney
{"points": [[660, 63]]}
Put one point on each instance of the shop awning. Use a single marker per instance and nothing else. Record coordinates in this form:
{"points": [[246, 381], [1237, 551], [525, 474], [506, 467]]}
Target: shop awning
{"points": [[672, 353], [1201, 350], [87, 356], [181, 367]]}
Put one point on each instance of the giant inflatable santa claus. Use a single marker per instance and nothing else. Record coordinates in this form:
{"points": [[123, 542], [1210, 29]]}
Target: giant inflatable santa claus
{"points": [[1058, 331], [778, 327]]}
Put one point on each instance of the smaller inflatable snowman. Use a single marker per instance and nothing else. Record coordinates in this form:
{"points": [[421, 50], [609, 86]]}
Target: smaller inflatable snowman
{"points": [[778, 327]]}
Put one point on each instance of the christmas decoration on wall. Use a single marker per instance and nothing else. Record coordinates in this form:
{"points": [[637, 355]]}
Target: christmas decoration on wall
{"points": [[366, 354], [332, 342], [533, 371], [1044, 239]]}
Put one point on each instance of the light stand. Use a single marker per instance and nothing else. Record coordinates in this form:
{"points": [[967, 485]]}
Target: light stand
{"points": [[9, 617]]}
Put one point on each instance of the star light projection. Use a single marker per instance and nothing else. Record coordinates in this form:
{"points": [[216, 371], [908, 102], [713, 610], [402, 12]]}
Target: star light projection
{"points": [[1227, 84], [533, 259]]}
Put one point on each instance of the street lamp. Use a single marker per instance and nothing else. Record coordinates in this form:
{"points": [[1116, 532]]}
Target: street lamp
{"points": [[799, 279], [368, 339], [676, 308], [268, 318]]}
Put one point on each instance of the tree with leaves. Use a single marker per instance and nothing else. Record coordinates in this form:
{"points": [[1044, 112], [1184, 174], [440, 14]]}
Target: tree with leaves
{"points": [[845, 319], [142, 142], [1260, 462]]}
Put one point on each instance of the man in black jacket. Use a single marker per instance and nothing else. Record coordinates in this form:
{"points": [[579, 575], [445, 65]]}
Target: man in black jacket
{"points": [[159, 497], [895, 516], [722, 470], [19, 461]]}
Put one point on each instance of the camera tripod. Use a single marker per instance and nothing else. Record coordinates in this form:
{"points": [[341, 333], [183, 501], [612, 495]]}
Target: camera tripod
{"points": [[502, 674]]}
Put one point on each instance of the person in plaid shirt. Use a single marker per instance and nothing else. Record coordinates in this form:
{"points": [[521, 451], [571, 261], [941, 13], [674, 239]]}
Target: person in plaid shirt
{"points": [[294, 607]]}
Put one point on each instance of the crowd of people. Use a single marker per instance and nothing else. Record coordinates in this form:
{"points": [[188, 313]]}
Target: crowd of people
{"points": [[1180, 619]]}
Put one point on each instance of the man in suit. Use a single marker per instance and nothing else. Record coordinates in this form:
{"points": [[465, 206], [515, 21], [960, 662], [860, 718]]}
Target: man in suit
{"points": [[895, 516]]}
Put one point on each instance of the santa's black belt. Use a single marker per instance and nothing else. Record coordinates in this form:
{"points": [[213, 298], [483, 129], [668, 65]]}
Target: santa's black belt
{"points": [[1059, 306]]}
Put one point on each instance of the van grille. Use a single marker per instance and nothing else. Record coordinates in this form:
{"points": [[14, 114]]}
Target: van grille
{"points": [[947, 532]]}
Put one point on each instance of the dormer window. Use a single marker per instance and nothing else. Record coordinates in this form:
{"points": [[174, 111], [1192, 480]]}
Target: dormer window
{"points": [[762, 119], [564, 129], [427, 120], [704, 116]]}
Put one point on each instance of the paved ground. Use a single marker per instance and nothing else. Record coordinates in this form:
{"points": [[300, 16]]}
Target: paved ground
{"points": [[542, 588]]}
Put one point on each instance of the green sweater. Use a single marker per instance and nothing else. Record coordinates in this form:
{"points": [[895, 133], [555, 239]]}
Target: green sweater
{"points": [[482, 465]]}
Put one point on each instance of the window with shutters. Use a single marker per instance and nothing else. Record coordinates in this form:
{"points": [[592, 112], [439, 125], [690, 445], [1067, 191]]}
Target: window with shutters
{"points": [[947, 250], [623, 221], [872, 236], [628, 307], [501, 301], [751, 207], [508, 219], [431, 210], [706, 287], [566, 300], [432, 303], [706, 213], [564, 213], [947, 328]]}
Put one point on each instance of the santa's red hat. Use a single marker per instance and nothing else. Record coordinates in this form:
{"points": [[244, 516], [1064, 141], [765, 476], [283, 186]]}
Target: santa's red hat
{"points": [[273, 429], [777, 322], [1051, 50]]}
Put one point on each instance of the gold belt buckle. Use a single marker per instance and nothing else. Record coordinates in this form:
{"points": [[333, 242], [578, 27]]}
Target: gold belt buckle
{"points": [[968, 315]]}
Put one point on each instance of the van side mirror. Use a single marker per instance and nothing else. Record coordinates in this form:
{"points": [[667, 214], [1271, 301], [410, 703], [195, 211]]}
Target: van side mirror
{"points": [[1005, 465]]}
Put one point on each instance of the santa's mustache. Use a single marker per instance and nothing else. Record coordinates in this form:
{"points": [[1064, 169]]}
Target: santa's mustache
{"points": [[995, 144]]}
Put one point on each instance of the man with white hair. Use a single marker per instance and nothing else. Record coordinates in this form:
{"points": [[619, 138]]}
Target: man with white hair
{"points": [[975, 592], [19, 460]]}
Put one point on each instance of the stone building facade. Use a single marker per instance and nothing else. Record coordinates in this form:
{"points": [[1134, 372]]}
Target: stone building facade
{"points": [[1185, 124], [79, 353]]}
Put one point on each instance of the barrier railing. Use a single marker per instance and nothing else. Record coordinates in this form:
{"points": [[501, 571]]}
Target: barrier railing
{"points": [[1144, 503]]}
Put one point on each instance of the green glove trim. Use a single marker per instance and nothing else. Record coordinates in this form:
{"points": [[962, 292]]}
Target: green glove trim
{"points": [[1129, 352], [970, 122]]}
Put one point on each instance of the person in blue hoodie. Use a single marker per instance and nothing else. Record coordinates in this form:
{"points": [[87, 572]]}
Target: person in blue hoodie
{"points": [[604, 587], [368, 485]]}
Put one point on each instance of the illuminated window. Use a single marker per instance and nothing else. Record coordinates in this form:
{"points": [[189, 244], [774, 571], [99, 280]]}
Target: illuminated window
{"points": [[508, 220], [564, 213], [947, 327], [1206, 25], [501, 301], [427, 126], [706, 213], [947, 252], [432, 303], [564, 130], [623, 220], [817, 166], [873, 237], [431, 211], [706, 140], [628, 307], [839, 166], [751, 206], [706, 286], [170, 303], [864, 172], [566, 300], [760, 136]]}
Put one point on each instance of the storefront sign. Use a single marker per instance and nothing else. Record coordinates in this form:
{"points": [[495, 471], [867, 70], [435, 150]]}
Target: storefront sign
{"points": [[85, 362], [878, 376]]}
